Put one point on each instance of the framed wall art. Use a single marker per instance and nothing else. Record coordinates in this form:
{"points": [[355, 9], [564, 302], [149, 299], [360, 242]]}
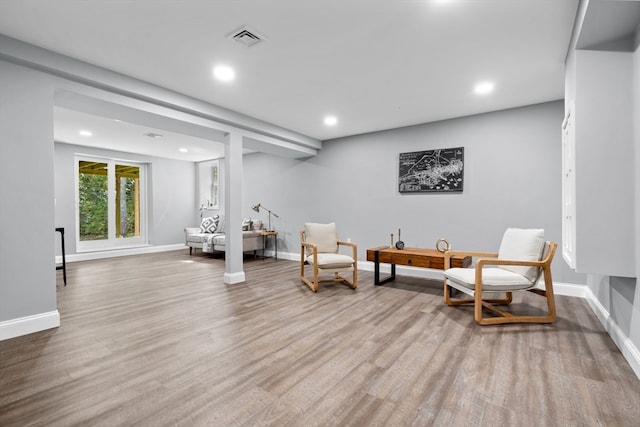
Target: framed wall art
{"points": [[431, 171]]}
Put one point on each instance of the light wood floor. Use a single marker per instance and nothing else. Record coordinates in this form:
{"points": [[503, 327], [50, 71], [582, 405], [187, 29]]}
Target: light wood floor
{"points": [[158, 339]]}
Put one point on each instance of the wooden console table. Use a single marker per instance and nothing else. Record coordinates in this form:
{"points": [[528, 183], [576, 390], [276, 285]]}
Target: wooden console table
{"points": [[413, 257]]}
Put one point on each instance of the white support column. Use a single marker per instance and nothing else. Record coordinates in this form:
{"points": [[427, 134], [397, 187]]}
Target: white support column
{"points": [[233, 272]]}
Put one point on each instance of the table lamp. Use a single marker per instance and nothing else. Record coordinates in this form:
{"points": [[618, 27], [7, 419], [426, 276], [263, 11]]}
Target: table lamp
{"points": [[257, 209]]}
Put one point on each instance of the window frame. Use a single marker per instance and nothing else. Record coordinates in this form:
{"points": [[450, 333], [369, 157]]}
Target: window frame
{"points": [[112, 242]]}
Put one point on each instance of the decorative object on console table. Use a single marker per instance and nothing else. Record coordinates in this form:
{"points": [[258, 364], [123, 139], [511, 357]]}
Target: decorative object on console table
{"points": [[257, 209], [443, 245], [399, 243]]}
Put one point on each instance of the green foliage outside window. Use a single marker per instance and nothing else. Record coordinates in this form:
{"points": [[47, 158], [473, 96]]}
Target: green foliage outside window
{"points": [[94, 200], [93, 206], [127, 208]]}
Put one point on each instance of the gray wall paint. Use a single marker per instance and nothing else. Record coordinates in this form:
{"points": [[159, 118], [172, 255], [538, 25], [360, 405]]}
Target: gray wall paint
{"points": [[603, 124], [171, 193], [511, 179], [636, 121], [621, 295], [27, 268]]}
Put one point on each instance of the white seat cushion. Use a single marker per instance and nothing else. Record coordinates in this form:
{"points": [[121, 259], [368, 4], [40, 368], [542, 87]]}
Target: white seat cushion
{"points": [[330, 261], [220, 239], [522, 245], [201, 237], [493, 279]]}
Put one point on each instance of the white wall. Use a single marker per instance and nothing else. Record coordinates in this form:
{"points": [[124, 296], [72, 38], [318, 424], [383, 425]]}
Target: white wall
{"points": [[636, 139], [27, 267], [512, 178], [604, 168]]}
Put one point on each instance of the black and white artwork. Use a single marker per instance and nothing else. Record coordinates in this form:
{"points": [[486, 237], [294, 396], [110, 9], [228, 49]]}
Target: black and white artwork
{"points": [[432, 171]]}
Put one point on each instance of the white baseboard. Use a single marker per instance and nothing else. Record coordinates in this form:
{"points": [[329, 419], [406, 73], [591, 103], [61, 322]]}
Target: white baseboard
{"points": [[626, 346], [86, 256], [29, 324], [569, 289], [233, 278], [287, 255]]}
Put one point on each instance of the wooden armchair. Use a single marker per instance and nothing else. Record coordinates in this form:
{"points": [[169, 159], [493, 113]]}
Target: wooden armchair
{"points": [[319, 247], [524, 257]]}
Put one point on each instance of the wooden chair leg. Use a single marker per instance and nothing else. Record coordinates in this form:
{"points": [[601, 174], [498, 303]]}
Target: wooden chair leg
{"points": [[312, 285], [355, 277]]}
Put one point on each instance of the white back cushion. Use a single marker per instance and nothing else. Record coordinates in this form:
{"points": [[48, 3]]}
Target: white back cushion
{"points": [[322, 235], [522, 245]]}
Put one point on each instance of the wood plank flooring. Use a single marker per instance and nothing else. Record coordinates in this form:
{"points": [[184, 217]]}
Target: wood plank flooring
{"points": [[158, 339]]}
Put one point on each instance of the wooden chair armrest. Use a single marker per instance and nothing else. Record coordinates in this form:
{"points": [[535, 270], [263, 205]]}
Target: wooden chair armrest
{"points": [[485, 261], [304, 254], [450, 254], [353, 245], [310, 246]]}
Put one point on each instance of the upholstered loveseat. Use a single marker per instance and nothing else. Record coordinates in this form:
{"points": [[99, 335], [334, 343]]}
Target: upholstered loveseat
{"points": [[210, 236]]}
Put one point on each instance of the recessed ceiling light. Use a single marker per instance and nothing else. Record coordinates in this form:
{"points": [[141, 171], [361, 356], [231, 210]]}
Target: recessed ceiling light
{"points": [[330, 120], [85, 133], [183, 150], [224, 73], [484, 88]]}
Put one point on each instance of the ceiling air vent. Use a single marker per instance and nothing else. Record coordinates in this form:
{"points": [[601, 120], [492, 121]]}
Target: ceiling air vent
{"points": [[246, 36]]}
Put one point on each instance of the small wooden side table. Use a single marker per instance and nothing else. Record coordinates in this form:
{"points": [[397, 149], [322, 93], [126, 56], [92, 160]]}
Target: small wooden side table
{"points": [[269, 233]]}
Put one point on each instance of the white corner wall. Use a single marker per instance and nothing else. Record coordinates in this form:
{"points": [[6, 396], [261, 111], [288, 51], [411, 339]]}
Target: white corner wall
{"points": [[636, 138], [604, 170], [27, 263]]}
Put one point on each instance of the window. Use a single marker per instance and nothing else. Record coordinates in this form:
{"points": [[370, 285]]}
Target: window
{"points": [[110, 204]]}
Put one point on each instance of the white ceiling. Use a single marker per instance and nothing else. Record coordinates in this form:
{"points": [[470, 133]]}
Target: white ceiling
{"points": [[375, 64], [119, 135]]}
